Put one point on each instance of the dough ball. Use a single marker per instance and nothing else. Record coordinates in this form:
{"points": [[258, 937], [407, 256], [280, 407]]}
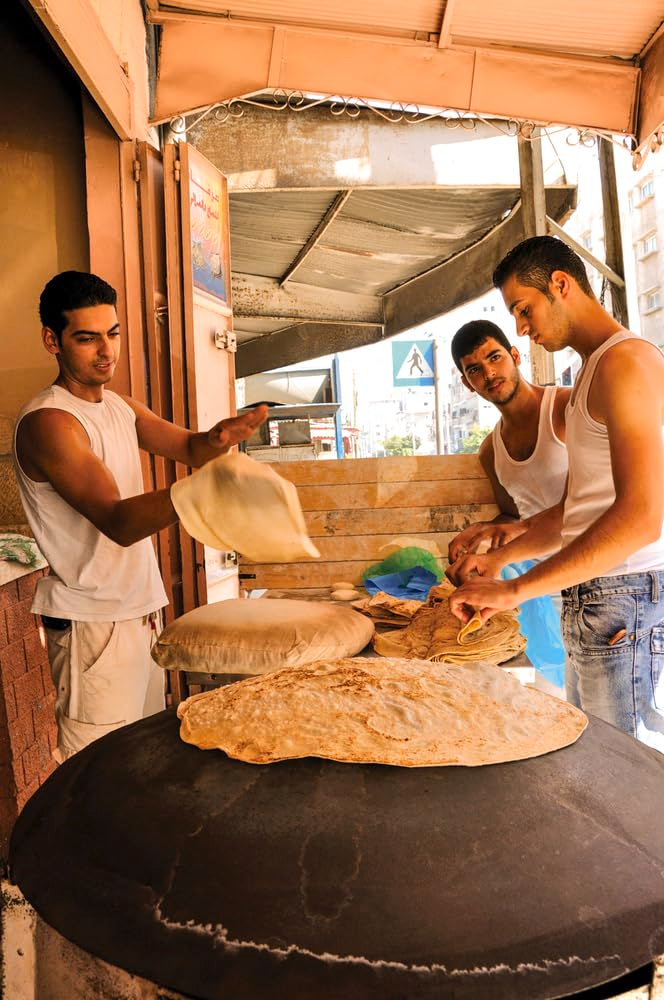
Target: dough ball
{"points": [[344, 595], [344, 585]]}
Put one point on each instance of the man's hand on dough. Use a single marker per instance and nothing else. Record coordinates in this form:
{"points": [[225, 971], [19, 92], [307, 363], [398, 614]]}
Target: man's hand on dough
{"points": [[233, 430], [486, 565], [485, 596]]}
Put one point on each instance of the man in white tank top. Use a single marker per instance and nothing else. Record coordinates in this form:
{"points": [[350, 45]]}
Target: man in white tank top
{"points": [[525, 460], [79, 474], [525, 457], [611, 522]]}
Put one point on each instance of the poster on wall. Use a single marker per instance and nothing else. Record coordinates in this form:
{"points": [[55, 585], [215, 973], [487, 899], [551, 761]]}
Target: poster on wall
{"points": [[208, 213]]}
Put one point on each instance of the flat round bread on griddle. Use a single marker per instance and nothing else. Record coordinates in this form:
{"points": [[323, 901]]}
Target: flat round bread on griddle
{"points": [[411, 713]]}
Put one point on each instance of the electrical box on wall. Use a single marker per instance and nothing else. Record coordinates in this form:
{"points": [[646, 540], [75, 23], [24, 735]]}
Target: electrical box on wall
{"points": [[225, 340]]}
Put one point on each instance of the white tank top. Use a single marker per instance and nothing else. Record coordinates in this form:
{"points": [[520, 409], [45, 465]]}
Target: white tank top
{"points": [[591, 490], [539, 481], [91, 578]]}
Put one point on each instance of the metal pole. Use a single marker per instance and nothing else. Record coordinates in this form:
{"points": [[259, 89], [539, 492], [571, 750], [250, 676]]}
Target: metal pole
{"points": [[336, 381], [533, 210], [612, 233], [436, 388]]}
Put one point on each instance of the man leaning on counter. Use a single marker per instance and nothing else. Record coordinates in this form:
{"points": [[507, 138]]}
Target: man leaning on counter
{"points": [[610, 567]]}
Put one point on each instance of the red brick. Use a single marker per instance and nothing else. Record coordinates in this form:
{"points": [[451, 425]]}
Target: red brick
{"points": [[21, 734], [19, 775], [53, 737], [43, 714], [26, 585], [25, 794], [12, 661], [35, 653], [10, 702], [30, 760], [47, 770], [4, 638], [8, 594], [29, 689], [20, 620], [49, 687]]}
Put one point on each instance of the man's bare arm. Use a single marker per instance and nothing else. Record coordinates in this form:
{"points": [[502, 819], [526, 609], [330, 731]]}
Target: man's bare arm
{"points": [[539, 536], [193, 449], [53, 447], [472, 537], [627, 395]]}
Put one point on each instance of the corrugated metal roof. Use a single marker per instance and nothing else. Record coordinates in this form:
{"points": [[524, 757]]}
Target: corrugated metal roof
{"points": [[379, 239], [592, 27], [376, 16], [268, 230]]}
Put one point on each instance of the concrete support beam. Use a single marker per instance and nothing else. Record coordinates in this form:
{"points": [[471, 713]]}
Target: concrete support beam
{"points": [[255, 296], [266, 150], [465, 276], [302, 343]]}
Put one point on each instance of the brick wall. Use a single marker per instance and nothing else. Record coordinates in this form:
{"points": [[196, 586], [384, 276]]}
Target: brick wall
{"points": [[27, 727]]}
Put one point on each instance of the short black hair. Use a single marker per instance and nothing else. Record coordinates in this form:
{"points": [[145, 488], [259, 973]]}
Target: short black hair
{"points": [[534, 260], [472, 335], [72, 290]]}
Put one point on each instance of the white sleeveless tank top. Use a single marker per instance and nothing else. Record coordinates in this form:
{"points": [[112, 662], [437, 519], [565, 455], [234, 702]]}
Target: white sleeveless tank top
{"points": [[591, 490], [537, 482], [91, 577]]}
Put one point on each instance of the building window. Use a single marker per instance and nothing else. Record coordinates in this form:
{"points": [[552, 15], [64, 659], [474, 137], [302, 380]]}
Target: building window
{"points": [[648, 244], [647, 189], [653, 301]]}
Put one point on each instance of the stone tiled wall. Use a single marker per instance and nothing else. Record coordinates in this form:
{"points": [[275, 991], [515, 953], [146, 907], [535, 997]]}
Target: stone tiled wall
{"points": [[27, 727]]}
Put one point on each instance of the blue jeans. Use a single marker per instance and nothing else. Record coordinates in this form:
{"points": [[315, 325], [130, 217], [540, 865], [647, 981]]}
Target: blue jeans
{"points": [[613, 631]]}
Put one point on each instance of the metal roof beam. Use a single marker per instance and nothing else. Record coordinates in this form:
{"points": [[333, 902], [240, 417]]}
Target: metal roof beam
{"points": [[324, 224], [302, 342], [258, 296], [465, 276]]}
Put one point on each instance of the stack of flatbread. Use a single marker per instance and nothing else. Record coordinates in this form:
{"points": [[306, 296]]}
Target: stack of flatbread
{"points": [[411, 713], [434, 634], [383, 609]]}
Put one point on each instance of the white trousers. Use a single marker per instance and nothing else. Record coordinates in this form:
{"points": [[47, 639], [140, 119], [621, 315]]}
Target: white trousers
{"points": [[104, 678]]}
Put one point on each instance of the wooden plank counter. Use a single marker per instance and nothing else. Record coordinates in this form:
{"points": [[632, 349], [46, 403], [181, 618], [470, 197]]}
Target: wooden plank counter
{"points": [[353, 507]]}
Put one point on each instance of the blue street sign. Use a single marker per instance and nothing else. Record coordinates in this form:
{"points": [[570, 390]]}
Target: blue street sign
{"points": [[412, 362]]}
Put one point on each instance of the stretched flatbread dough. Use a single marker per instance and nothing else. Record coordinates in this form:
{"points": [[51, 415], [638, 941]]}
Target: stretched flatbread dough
{"points": [[234, 502], [404, 712]]}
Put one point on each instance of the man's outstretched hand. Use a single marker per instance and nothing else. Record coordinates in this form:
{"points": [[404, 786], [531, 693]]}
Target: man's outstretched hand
{"points": [[233, 430]]}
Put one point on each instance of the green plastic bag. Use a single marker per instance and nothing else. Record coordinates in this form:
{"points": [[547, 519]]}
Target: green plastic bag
{"points": [[406, 558]]}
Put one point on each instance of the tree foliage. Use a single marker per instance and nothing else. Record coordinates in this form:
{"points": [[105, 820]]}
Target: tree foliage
{"points": [[471, 444], [401, 445]]}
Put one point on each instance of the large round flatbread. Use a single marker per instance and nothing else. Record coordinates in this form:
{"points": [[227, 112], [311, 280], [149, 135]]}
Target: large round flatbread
{"points": [[234, 502], [411, 713]]}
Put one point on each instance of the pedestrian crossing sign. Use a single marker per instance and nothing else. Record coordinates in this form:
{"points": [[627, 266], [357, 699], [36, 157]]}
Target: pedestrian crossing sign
{"points": [[412, 362]]}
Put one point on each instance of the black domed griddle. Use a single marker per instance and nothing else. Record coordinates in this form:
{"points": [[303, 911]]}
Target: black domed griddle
{"points": [[313, 879]]}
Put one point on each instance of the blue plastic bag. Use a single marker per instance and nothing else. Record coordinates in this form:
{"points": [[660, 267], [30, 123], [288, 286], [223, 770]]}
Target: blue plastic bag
{"points": [[540, 623]]}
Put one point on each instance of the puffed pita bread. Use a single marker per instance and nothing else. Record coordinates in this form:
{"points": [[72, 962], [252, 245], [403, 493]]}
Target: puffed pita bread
{"points": [[234, 502], [410, 713], [434, 634]]}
